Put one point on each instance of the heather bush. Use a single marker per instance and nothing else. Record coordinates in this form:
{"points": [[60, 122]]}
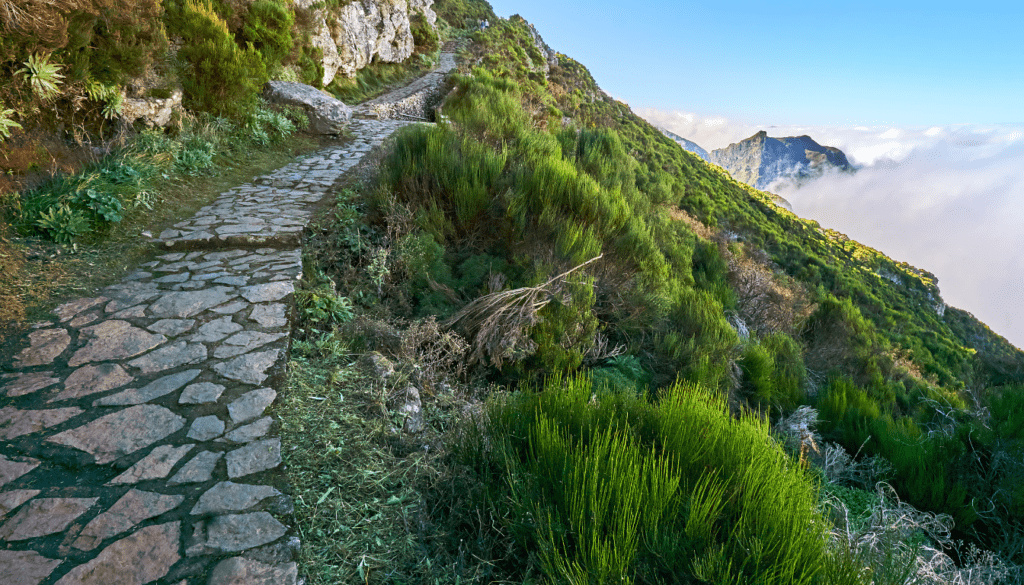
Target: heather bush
{"points": [[221, 78], [268, 26]]}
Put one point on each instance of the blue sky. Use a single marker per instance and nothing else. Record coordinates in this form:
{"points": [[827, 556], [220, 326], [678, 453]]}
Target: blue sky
{"points": [[833, 63]]}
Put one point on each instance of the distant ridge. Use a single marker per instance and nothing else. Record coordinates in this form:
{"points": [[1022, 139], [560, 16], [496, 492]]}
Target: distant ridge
{"points": [[688, 145], [762, 160]]}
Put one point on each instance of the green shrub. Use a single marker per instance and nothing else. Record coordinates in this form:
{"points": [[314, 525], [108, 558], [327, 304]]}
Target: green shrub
{"points": [[221, 78], [268, 27], [610, 488]]}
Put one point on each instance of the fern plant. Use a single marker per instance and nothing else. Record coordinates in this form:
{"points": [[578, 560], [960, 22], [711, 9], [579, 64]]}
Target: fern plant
{"points": [[6, 123], [63, 224], [109, 95], [44, 77]]}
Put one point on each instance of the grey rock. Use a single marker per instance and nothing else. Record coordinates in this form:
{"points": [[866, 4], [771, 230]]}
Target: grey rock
{"points": [[244, 342], [262, 293], [327, 114], [69, 310], [133, 507], [172, 327], [25, 567], [114, 340], [22, 384], [270, 315], [156, 465], [199, 469], [187, 303], [230, 308], [205, 428], [242, 571], [92, 379], [12, 469], [254, 457], [250, 432], [171, 356], [228, 496], [251, 404], [15, 423], [155, 389], [238, 532], [44, 346], [115, 435], [14, 498], [248, 368], [143, 557], [201, 393], [216, 330], [173, 278], [44, 516]]}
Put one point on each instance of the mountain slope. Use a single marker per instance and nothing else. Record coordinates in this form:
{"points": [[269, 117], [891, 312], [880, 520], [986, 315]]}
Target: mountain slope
{"points": [[689, 145], [761, 160]]}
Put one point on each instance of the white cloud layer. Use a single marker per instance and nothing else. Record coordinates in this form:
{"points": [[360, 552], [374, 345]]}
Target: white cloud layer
{"points": [[948, 199]]}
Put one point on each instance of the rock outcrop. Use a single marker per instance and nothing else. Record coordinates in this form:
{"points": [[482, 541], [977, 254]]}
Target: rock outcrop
{"points": [[327, 115], [762, 160], [352, 36], [152, 111]]}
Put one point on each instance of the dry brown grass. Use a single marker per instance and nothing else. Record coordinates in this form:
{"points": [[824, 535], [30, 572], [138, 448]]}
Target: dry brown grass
{"points": [[498, 324]]}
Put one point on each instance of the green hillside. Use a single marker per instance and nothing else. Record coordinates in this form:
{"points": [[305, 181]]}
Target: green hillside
{"points": [[561, 235], [633, 368]]}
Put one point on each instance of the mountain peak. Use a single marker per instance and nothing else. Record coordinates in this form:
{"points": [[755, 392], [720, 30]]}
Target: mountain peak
{"points": [[762, 160]]}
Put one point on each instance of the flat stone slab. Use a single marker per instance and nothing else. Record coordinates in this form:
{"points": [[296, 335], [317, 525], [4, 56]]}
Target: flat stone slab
{"points": [[114, 340], [205, 428], [44, 346], [254, 457], [199, 469], [44, 516], [24, 567], [170, 356], [238, 532], [15, 423], [271, 291], [138, 559], [248, 368], [12, 469], [228, 496], [269, 315], [73, 308], [242, 571], [244, 342], [22, 384], [14, 498], [251, 432], [172, 327], [156, 465], [155, 389], [92, 379], [201, 393], [184, 304], [216, 330], [134, 507], [251, 404], [115, 435]]}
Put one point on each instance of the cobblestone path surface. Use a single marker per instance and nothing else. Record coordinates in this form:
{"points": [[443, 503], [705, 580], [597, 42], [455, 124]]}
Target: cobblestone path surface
{"points": [[413, 101], [133, 443]]}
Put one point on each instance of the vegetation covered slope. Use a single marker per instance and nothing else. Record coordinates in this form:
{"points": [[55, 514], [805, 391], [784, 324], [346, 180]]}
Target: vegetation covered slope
{"points": [[557, 233]]}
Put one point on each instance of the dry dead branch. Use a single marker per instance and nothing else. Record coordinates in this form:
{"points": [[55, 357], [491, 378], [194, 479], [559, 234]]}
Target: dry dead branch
{"points": [[499, 323]]}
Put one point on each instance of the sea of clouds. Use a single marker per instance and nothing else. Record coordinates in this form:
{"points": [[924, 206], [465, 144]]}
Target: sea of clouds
{"points": [[948, 199]]}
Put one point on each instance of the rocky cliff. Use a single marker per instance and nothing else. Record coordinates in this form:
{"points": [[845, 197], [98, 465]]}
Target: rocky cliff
{"points": [[352, 36], [761, 160]]}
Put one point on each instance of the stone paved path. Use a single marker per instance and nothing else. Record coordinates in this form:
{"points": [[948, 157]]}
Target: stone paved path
{"points": [[413, 101], [133, 443]]}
